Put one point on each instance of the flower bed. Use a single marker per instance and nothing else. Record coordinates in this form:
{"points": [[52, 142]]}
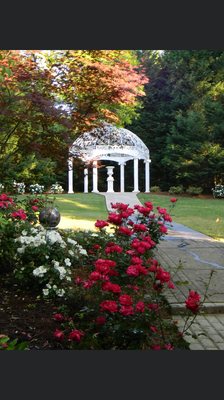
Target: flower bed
{"points": [[107, 287]]}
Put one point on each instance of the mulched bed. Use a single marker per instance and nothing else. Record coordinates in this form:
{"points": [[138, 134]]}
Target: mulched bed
{"points": [[25, 317]]}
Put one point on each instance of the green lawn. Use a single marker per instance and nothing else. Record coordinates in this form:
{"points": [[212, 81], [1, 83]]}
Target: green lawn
{"points": [[203, 215], [81, 210], [81, 206]]}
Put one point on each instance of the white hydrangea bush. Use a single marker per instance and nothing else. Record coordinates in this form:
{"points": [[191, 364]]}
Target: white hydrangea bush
{"points": [[56, 188], [46, 258], [36, 188], [19, 187]]}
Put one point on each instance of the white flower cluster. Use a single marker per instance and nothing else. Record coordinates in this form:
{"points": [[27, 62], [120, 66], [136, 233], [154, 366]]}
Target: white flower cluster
{"points": [[1, 187], [37, 240], [53, 236], [79, 248], [56, 188], [59, 292], [36, 188], [40, 271], [63, 272], [19, 187], [56, 257]]}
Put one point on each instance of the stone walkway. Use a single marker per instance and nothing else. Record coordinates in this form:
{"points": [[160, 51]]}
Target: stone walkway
{"points": [[194, 260]]}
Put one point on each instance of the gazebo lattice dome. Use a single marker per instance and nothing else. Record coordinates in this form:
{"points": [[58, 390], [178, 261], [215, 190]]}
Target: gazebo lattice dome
{"points": [[109, 142]]}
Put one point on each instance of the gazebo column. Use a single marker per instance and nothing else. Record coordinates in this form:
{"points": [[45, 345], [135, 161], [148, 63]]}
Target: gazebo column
{"points": [[147, 175], [70, 175], [122, 164], [95, 177], [136, 190], [85, 180]]}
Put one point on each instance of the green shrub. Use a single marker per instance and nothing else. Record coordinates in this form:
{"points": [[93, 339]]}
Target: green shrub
{"points": [[155, 189], [7, 344], [194, 190], [176, 189]]}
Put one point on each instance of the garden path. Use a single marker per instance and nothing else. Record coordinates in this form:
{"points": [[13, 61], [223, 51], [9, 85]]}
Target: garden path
{"points": [[191, 257]]}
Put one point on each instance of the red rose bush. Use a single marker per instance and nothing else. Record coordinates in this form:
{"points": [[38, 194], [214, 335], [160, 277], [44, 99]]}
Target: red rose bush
{"points": [[120, 287]]}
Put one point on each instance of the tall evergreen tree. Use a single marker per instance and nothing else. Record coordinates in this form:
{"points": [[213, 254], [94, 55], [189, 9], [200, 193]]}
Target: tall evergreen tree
{"points": [[182, 120]]}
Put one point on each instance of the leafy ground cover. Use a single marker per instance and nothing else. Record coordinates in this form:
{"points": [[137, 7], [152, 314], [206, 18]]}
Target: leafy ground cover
{"points": [[205, 214]]}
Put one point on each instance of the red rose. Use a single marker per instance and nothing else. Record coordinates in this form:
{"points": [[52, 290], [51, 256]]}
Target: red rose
{"points": [[95, 276], [111, 287], [96, 247], [171, 285], [140, 306], [136, 260], [161, 210], [101, 224], [125, 300], [113, 249], [20, 214], [173, 200], [119, 206], [168, 346], [163, 228], [4, 197], [59, 335], [34, 208], [87, 284], [109, 305], [139, 227], [167, 218], [153, 329], [127, 310], [127, 213], [193, 301], [156, 347], [153, 306], [132, 270], [101, 320], [148, 204], [102, 262], [125, 231], [162, 275], [78, 280], [143, 210], [115, 219], [58, 317], [75, 335]]}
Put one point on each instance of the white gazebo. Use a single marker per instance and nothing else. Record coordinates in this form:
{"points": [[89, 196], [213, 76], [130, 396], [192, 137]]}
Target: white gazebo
{"points": [[113, 144]]}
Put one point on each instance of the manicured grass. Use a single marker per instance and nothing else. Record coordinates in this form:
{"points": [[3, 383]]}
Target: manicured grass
{"points": [[203, 215], [81, 206]]}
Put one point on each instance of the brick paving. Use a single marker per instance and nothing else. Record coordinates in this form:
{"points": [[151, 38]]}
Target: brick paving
{"points": [[193, 259]]}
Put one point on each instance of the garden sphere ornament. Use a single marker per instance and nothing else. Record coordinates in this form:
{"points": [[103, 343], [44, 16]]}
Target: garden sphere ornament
{"points": [[49, 217]]}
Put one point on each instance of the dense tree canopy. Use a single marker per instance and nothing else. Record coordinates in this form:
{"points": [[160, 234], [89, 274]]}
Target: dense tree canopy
{"points": [[182, 120], [48, 97]]}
